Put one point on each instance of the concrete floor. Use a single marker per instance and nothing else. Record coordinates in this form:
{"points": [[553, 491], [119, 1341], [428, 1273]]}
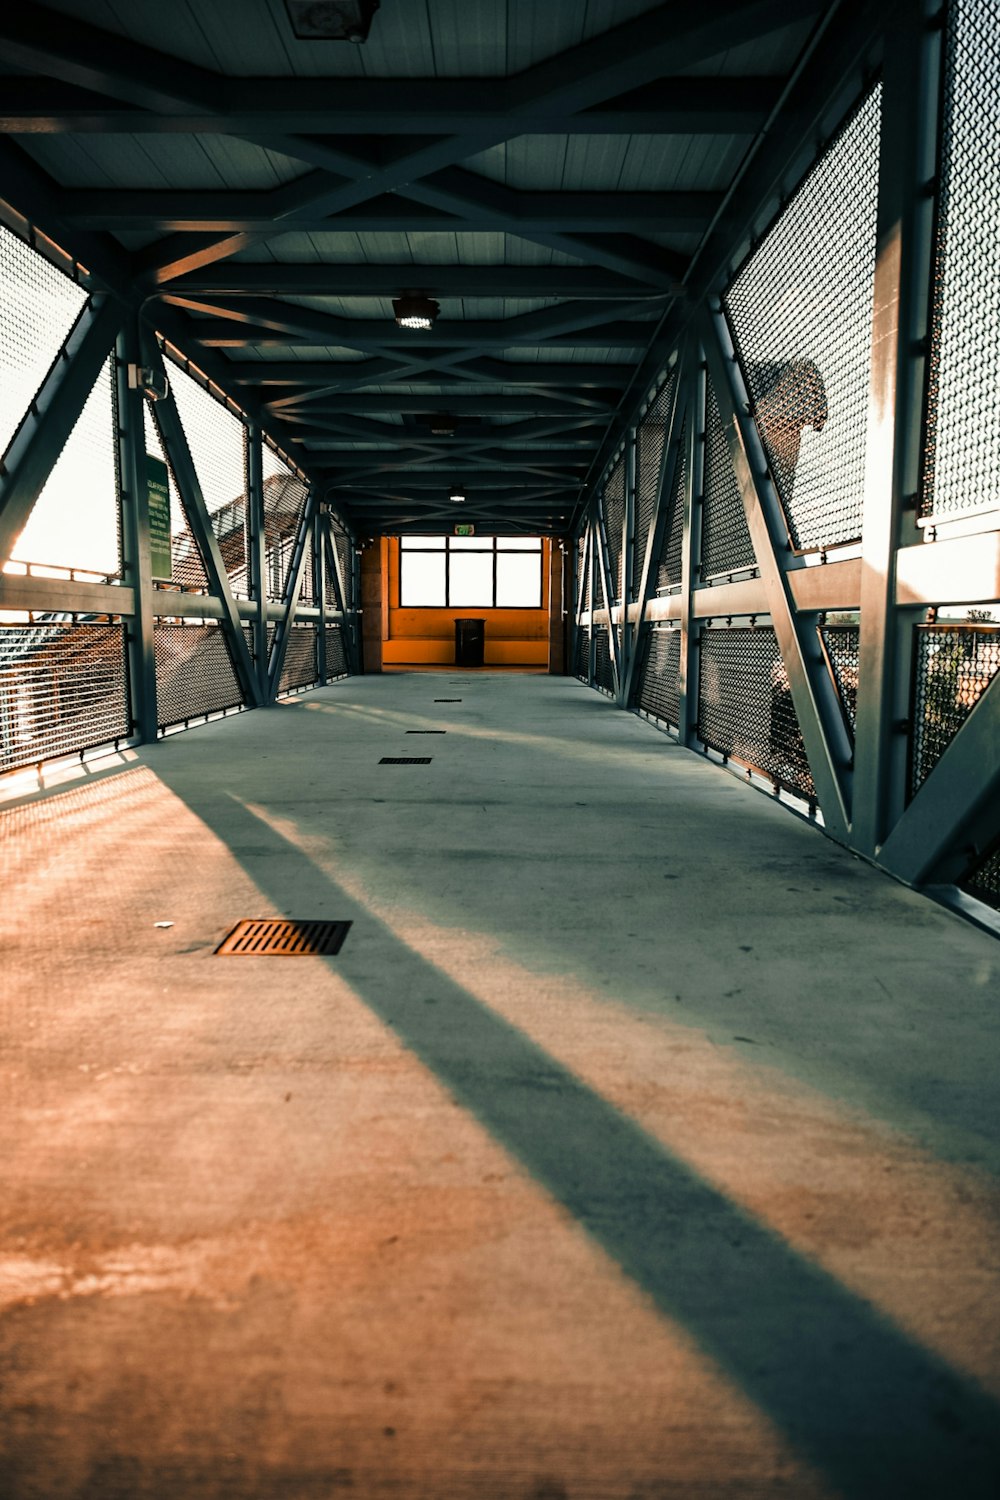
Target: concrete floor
{"points": [[639, 1143]]}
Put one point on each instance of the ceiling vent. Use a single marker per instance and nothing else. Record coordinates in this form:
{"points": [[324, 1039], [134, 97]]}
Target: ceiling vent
{"points": [[331, 20]]}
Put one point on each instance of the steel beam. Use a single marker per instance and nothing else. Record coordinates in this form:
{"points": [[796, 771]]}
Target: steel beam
{"points": [[955, 814], [185, 474], [134, 499], [46, 426], [901, 326], [814, 693], [694, 494], [279, 648], [658, 526]]}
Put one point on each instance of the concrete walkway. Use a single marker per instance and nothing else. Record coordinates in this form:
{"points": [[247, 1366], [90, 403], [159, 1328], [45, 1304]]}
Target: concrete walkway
{"points": [[639, 1143]]}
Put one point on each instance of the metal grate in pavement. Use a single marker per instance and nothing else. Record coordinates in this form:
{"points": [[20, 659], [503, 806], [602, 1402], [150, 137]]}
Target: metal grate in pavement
{"points": [[268, 937]]}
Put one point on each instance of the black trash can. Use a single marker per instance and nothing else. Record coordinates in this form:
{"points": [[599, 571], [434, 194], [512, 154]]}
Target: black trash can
{"points": [[470, 642]]}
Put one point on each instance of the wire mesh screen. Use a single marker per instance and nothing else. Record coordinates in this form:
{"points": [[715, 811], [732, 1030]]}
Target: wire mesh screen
{"points": [[725, 540], [668, 574], [953, 667], [194, 672], [842, 645], [614, 521], [583, 571], [38, 307], [217, 440], [187, 571], [983, 880], [801, 312], [581, 665], [307, 589], [250, 636], [300, 667], [962, 471], [334, 653], [603, 667], [342, 543], [76, 520], [745, 708], [650, 438], [63, 689], [659, 684], [284, 504]]}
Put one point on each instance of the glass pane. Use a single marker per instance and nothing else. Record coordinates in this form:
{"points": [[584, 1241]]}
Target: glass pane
{"points": [[472, 580], [422, 580], [421, 542], [471, 543], [519, 543], [519, 582]]}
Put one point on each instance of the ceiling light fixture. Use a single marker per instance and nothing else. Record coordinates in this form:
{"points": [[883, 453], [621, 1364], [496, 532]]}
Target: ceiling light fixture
{"points": [[413, 310], [442, 425], [457, 494], [331, 20]]}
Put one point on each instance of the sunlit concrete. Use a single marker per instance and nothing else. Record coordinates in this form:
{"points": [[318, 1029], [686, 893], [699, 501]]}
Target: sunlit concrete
{"points": [[639, 1143]]}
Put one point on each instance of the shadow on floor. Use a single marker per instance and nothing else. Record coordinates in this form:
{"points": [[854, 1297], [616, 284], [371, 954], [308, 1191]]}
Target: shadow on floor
{"points": [[883, 1418]]}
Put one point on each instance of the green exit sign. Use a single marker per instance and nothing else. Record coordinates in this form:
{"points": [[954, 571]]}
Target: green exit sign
{"points": [[465, 531]]}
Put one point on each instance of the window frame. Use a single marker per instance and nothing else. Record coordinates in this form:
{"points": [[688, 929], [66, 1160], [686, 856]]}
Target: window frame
{"points": [[495, 548]]}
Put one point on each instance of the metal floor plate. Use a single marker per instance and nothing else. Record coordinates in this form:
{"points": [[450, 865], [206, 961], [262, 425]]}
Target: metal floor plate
{"points": [[283, 937]]}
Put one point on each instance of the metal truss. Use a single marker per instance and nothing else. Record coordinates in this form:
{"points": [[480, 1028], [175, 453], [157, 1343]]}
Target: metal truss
{"points": [[106, 328], [859, 769]]}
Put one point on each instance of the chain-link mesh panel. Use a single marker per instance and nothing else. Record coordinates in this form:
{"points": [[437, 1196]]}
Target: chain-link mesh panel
{"points": [[217, 441], [307, 589], [614, 521], [194, 672], [745, 708], [983, 880], [962, 469], [659, 683], [650, 438], [76, 520], [186, 567], [668, 574], [603, 669], [801, 312], [334, 653], [581, 666], [284, 503], [725, 540], [250, 636], [63, 689], [342, 543], [38, 307], [953, 667], [583, 570], [299, 668], [842, 645]]}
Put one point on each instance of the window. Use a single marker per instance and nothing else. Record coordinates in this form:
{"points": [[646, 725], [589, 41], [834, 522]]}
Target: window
{"points": [[470, 572]]}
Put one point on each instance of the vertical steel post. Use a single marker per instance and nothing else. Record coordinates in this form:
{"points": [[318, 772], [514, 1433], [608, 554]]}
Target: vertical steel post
{"points": [[320, 530], [628, 547], [694, 483], [900, 333], [134, 500], [258, 552], [592, 590]]}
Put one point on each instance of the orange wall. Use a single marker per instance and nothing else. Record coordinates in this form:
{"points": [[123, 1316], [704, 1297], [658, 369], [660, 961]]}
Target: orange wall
{"points": [[516, 637]]}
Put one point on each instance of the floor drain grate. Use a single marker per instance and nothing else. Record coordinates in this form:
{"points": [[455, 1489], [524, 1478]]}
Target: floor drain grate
{"points": [[276, 937], [447, 700], [427, 731], [405, 760]]}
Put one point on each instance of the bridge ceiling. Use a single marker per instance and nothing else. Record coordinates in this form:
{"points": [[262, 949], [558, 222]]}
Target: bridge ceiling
{"points": [[547, 173]]}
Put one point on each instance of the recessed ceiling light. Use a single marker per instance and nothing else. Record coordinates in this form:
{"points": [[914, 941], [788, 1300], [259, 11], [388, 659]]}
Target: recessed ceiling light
{"points": [[457, 494], [442, 425], [415, 311], [331, 20]]}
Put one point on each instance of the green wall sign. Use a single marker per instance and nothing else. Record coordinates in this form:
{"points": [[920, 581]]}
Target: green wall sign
{"points": [[158, 491], [465, 531]]}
